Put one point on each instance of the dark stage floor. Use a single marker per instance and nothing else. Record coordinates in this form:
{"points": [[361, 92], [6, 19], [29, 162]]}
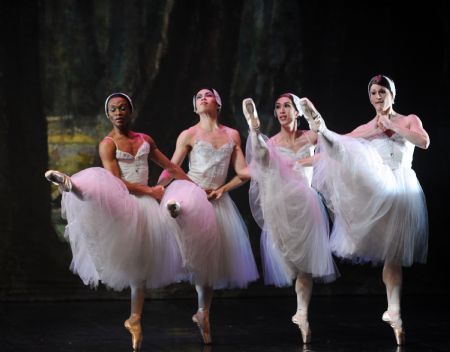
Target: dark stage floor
{"points": [[338, 323]]}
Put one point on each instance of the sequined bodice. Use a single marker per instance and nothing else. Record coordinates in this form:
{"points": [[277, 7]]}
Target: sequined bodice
{"points": [[395, 151], [208, 166], [292, 157], [134, 169]]}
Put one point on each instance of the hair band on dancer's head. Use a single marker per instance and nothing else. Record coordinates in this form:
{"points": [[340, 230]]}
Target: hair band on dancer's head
{"points": [[113, 95], [216, 96], [384, 81]]}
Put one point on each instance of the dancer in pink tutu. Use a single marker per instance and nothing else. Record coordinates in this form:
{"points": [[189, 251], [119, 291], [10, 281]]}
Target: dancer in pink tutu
{"points": [[216, 249], [380, 214], [294, 240], [113, 217]]}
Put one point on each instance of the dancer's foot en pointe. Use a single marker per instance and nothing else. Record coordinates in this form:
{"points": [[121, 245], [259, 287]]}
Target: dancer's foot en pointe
{"points": [[301, 320], [315, 120], [133, 325], [251, 115], [60, 179], [395, 321], [201, 318], [173, 207]]}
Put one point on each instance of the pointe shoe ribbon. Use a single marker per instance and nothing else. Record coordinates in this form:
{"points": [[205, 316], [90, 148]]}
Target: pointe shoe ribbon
{"points": [[394, 320], [301, 320], [201, 318], [60, 179], [251, 115], [135, 329]]}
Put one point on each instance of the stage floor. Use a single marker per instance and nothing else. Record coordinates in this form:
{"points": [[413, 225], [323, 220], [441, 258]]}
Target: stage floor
{"points": [[338, 323]]}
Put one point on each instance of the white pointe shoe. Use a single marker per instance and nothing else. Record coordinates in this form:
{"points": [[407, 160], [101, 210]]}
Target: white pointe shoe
{"points": [[60, 179], [173, 207], [315, 120], [201, 318], [394, 320], [301, 320], [251, 115]]}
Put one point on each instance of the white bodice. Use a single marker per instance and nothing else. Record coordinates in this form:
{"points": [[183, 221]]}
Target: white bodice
{"points": [[208, 166], [395, 151], [304, 152], [134, 169]]}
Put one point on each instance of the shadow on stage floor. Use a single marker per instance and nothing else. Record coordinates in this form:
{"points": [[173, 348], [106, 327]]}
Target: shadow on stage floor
{"points": [[338, 323]]}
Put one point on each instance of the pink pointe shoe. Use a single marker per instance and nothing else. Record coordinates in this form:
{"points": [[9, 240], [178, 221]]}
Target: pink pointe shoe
{"points": [[394, 320], [201, 318], [251, 115], [301, 320], [60, 179], [135, 329], [315, 120]]}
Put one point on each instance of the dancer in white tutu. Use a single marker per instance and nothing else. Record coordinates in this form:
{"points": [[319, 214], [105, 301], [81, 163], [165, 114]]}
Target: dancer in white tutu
{"points": [[113, 217], [216, 248], [380, 214], [295, 236]]}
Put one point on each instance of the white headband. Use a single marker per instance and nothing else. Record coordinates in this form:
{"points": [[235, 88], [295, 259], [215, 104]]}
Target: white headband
{"points": [[216, 96], [123, 95]]}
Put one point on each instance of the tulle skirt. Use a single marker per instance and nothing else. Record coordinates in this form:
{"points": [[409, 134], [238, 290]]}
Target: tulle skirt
{"points": [[196, 231], [212, 236], [294, 221], [117, 238], [380, 213]]}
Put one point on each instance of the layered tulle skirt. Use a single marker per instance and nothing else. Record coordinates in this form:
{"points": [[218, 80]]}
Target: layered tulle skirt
{"points": [[295, 236], [380, 212], [117, 238], [212, 237]]}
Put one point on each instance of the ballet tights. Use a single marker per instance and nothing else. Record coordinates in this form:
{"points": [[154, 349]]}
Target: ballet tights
{"points": [[392, 278], [303, 289], [204, 296]]}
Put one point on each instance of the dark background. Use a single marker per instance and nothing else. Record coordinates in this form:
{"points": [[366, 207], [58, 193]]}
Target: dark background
{"points": [[64, 57]]}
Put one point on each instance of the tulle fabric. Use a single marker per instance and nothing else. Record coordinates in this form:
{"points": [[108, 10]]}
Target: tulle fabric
{"points": [[117, 238], [293, 219], [196, 231], [379, 208], [236, 259]]}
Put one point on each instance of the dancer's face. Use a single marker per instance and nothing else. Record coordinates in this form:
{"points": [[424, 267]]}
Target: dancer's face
{"points": [[205, 102], [119, 112], [380, 98], [285, 111]]}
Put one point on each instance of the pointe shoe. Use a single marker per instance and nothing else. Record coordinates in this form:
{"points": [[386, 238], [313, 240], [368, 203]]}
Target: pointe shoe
{"points": [[201, 318], [301, 320], [173, 207], [394, 320], [135, 329], [60, 179], [251, 115], [312, 116]]}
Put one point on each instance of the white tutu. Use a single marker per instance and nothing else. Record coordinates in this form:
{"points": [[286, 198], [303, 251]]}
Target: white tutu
{"points": [[196, 231], [293, 219], [379, 207], [237, 263], [117, 238]]}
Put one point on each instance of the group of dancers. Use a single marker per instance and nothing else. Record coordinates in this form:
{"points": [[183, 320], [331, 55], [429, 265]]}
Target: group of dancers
{"points": [[125, 233]]}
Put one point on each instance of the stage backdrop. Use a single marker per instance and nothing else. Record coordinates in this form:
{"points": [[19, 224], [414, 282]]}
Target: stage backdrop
{"points": [[60, 59]]}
